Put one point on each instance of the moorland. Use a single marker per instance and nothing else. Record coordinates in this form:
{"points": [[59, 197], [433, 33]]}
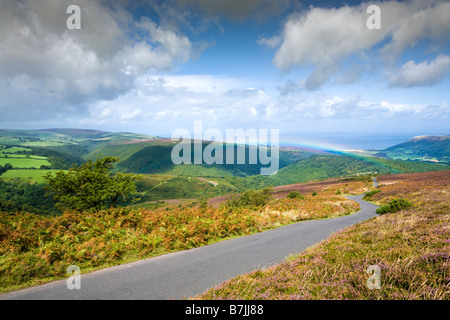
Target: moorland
{"points": [[186, 206]]}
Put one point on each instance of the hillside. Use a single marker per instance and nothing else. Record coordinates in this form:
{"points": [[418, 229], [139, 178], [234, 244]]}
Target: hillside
{"points": [[423, 148], [35, 249], [138, 153], [30, 154], [156, 158], [409, 247], [329, 166]]}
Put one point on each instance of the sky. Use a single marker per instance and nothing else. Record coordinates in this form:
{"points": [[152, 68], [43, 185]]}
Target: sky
{"points": [[323, 73]]}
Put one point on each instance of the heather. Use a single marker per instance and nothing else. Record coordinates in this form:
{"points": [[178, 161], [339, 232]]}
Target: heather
{"points": [[411, 248], [35, 249]]}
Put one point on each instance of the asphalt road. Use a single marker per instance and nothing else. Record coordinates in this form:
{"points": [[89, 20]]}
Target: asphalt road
{"points": [[187, 273]]}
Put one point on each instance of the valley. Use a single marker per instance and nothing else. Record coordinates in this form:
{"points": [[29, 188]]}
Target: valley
{"points": [[30, 154], [178, 208]]}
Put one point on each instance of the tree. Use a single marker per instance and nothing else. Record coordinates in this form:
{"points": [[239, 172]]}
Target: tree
{"points": [[90, 186], [251, 198], [8, 166], [295, 195], [394, 205]]}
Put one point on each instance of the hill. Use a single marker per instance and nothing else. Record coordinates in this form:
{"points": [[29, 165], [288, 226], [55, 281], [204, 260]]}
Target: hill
{"points": [[36, 249], [330, 166], [155, 157], [422, 148], [409, 247], [32, 153]]}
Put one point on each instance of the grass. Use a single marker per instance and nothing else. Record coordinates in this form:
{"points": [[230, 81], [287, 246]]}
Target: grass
{"points": [[154, 187], [5, 149], [411, 248], [22, 161], [28, 143], [36, 249], [19, 162], [31, 175]]}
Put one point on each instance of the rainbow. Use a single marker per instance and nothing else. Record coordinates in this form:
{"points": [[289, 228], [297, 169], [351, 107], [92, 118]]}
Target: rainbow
{"points": [[317, 145], [313, 144]]}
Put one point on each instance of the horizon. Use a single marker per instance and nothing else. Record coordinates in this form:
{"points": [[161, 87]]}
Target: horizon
{"points": [[317, 71], [306, 144]]}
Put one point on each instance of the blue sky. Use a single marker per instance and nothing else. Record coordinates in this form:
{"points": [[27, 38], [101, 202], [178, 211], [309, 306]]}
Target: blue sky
{"points": [[311, 69]]}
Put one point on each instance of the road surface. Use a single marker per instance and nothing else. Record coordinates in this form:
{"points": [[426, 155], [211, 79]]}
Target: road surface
{"points": [[187, 273]]}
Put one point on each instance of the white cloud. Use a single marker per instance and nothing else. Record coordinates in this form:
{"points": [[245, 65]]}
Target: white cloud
{"points": [[270, 42], [424, 73], [161, 103], [404, 111], [413, 21], [324, 38], [43, 61], [162, 100]]}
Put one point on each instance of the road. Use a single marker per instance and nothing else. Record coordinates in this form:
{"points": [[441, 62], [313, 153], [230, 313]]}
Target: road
{"points": [[187, 273]]}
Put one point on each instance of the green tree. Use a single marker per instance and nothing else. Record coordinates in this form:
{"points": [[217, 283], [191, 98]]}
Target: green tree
{"points": [[394, 205], [251, 198], [8, 166], [295, 195], [90, 186]]}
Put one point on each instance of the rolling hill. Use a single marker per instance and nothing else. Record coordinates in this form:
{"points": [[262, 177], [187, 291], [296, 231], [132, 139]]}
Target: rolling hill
{"points": [[422, 148], [32, 153], [332, 166]]}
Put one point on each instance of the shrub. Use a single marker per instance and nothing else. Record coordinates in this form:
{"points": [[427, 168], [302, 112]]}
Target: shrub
{"points": [[371, 193], [251, 198], [314, 193], [295, 195], [394, 206], [91, 186]]}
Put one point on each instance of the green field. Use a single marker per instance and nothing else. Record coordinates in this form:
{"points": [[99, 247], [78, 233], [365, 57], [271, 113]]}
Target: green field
{"points": [[19, 162], [13, 156], [24, 156], [8, 150], [33, 176], [29, 143], [47, 143]]}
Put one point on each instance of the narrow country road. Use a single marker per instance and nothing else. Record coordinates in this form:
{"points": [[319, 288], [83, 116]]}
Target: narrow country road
{"points": [[187, 273]]}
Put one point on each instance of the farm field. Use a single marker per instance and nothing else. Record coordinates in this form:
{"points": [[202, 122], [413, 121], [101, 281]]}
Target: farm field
{"points": [[21, 162], [31, 143], [30, 175], [18, 159]]}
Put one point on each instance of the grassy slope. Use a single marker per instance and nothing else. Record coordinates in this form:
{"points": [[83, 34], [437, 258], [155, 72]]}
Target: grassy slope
{"points": [[20, 162], [144, 154], [423, 148], [35, 249], [33, 176], [411, 248]]}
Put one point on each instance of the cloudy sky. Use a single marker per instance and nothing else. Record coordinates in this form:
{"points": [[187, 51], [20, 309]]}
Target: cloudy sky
{"points": [[312, 69]]}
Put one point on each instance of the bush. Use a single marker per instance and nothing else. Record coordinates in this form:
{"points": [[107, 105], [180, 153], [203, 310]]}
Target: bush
{"points": [[251, 198], [368, 194], [371, 193], [295, 195], [394, 206], [91, 186], [314, 194]]}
